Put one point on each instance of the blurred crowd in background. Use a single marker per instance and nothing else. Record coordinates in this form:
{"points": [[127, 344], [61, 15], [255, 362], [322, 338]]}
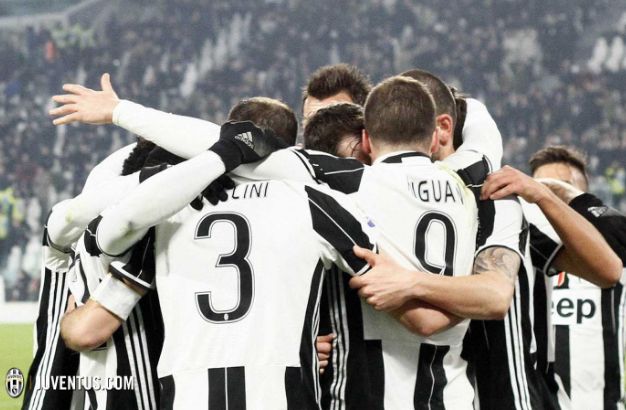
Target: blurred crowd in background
{"points": [[549, 72]]}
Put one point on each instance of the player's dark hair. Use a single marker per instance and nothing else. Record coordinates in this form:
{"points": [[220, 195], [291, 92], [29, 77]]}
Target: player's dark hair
{"points": [[136, 159], [559, 154], [267, 113], [329, 125], [332, 79], [461, 114], [160, 156], [444, 100], [400, 110]]}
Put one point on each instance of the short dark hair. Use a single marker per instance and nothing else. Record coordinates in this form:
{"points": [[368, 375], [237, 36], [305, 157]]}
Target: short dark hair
{"points": [[267, 113], [332, 79], [460, 100], [400, 110], [444, 100], [559, 154], [137, 157], [327, 127]]}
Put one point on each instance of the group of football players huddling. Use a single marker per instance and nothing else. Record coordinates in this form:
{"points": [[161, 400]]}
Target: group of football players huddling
{"points": [[388, 261]]}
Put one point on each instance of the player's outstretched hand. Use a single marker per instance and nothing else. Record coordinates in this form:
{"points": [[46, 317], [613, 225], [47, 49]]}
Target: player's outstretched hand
{"points": [[85, 105], [387, 286], [510, 181], [324, 347], [566, 192], [242, 142]]}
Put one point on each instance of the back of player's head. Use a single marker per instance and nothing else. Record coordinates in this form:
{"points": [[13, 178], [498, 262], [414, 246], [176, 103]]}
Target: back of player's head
{"points": [[444, 100], [559, 154], [332, 79], [400, 111], [267, 113], [331, 125], [461, 114], [160, 156], [136, 159]]}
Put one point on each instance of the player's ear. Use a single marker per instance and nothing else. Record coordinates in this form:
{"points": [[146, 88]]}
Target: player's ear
{"points": [[366, 146], [446, 129]]}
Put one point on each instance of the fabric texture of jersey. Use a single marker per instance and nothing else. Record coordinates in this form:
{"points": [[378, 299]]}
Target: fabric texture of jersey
{"points": [[239, 285]]}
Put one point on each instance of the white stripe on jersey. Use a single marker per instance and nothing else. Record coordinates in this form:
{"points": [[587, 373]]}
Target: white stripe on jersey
{"points": [[620, 339], [59, 304], [517, 370], [340, 321]]}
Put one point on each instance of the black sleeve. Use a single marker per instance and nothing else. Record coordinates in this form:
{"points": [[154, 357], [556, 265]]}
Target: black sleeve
{"points": [[608, 221], [341, 174], [140, 266]]}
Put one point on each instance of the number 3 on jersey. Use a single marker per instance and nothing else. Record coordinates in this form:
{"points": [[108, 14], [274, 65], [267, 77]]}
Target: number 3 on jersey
{"points": [[236, 259]]}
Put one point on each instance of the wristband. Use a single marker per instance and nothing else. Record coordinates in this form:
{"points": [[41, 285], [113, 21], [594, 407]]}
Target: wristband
{"points": [[116, 297]]}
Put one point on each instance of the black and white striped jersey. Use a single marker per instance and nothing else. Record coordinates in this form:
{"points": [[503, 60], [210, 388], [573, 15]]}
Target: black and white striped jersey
{"points": [[52, 358], [587, 322], [428, 221], [132, 351], [239, 286], [502, 352]]}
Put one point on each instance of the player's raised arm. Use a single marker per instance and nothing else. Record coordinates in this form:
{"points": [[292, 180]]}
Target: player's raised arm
{"points": [[481, 134], [585, 252], [167, 192], [180, 135]]}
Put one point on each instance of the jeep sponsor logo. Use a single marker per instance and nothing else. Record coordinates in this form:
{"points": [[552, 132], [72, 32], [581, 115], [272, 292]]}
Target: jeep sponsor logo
{"points": [[574, 307]]}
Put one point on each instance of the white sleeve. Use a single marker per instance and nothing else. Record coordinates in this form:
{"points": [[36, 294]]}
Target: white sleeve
{"points": [[285, 164], [178, 134], [69, 218], [108, 168], [481, 134], [153, 201], [502, 224]]}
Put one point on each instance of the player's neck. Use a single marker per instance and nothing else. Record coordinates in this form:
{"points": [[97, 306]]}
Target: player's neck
{"points": [[384, 150]]}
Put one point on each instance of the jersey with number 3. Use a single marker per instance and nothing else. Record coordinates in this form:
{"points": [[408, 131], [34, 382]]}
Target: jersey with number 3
{"points": [[239, 287]]}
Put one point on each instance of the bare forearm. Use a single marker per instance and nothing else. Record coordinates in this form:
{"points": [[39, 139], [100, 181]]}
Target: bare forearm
{"points": [[585, 252], [423, 319], [484, 296]]}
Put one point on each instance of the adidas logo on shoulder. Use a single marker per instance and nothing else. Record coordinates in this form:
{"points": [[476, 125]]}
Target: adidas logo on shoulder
{"points": [[246, 138]]}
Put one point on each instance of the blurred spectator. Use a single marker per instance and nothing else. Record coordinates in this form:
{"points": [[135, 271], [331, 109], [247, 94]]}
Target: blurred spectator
{"points": [[526, 59]]}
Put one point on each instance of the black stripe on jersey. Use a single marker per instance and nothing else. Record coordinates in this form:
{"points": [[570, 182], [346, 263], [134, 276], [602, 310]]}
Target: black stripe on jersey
{"points": [[122, 398], [397, 159], [86, 294], [51, 354], [91, 239], [541, 322], [91, 397], [301, 384], [227, 388], [337, 226], [133, 360], [168, 392], [611, 303], [140, 268], [474, 175], [376, 371], [562, 357], [431, 378], [543, 250], [486, 217], [341, 174]]}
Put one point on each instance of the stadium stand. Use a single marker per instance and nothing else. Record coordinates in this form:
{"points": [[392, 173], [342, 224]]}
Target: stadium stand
{"points": [[550, 72]]}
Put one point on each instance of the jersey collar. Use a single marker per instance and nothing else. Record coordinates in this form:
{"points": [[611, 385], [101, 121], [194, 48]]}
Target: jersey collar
{"points": [[397, 157]]}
